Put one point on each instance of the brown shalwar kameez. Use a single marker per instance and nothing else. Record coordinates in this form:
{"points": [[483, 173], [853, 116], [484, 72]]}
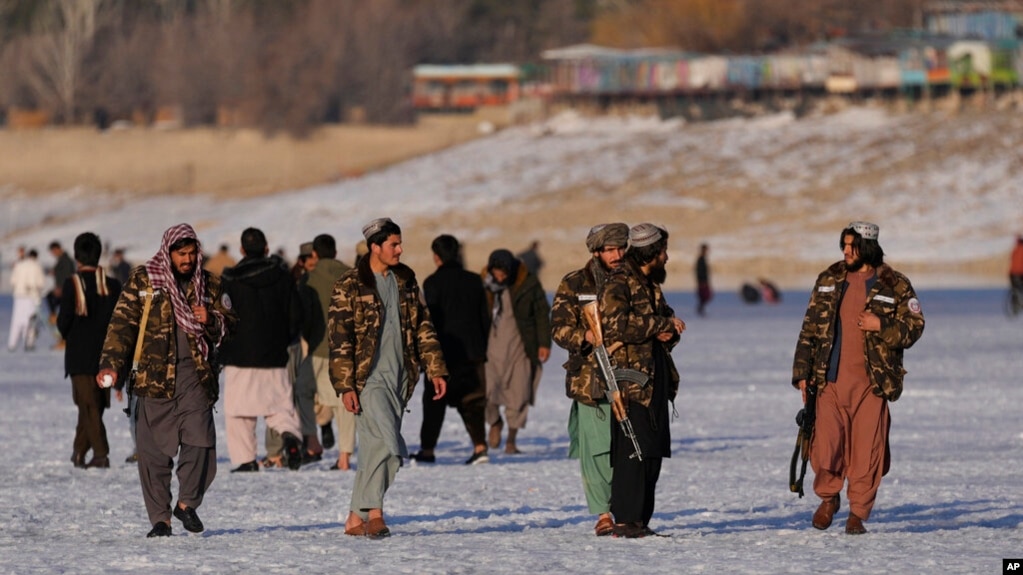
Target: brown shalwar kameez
{"points": [[851, 431], [185, 420]]}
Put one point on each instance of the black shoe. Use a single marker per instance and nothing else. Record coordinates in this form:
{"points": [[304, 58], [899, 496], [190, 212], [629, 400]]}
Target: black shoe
{"points": [[250, 466], [78, 459], [160, 529], [424, 458], [311, 457], [293, 451], [327, 433], [189, 519], [478, 458], [99, 463]]}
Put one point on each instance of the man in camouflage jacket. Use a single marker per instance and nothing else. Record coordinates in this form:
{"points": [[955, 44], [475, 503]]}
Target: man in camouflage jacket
{"points": [[380, 338], [861, 316], [641, 329], [589, 431], [175, 382]]}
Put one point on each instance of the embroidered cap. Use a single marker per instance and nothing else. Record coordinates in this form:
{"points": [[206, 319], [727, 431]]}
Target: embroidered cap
{"points": [[375, 226], [644, 235], [607, 235], [867, 230]]}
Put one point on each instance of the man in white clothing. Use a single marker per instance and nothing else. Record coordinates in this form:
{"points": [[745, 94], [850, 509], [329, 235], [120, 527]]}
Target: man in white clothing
{"points": [[27, 281]]}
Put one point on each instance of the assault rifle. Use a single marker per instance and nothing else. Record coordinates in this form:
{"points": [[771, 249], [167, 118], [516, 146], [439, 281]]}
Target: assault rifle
{"points": [[805, 420], [612, 375]]}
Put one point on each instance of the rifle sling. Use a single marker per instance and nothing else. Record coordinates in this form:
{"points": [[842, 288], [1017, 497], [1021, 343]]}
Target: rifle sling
{"points": [[142, 330]]}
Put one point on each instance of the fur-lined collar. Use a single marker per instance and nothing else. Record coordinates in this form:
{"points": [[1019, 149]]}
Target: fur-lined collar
{"points": [[885, 273]]}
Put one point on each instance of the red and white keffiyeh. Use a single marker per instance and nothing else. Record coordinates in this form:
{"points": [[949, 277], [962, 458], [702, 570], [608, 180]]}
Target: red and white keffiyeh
{"points": [[161, 275]]}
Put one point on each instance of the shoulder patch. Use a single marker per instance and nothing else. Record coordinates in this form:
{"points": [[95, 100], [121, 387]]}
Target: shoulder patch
{"points": [[826, 288], [587, 297], [914, 305], [225, 301]]}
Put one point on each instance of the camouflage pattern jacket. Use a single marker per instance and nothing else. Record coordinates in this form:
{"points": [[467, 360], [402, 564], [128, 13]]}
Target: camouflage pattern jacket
{"points": [[891, 298], [155, 377], [354, 321], [583, 382], [633, 312]]}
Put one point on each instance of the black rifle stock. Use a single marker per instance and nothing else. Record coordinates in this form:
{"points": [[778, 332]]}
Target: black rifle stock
{"points": [[805, 420], [612, 375]]}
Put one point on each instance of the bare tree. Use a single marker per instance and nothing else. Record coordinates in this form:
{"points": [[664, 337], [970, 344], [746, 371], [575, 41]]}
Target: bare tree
{"points": [[58, 47]]}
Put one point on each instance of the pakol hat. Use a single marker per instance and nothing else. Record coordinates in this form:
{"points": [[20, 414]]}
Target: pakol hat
{"points": [[616, 235], [642, 235], [867, 230], [375, 226]]}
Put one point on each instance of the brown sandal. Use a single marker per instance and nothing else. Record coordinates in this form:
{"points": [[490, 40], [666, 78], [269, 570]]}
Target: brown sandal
{"points": [[376, 528], [604, 527], [356, 530]]}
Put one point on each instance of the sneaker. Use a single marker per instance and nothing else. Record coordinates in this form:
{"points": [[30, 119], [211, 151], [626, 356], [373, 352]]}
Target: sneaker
{"points": [[245, 467], [327, 431], [478, 458], [423, 457], [160, 529], [189, 519], [293, 451]]}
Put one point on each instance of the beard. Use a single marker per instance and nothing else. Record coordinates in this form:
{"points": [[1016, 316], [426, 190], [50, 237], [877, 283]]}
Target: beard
{"points": [[657, 274], [183, 277], [855, 266]]}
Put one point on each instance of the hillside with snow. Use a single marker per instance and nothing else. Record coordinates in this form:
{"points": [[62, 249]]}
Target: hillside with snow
{"points": [[769, 194]]}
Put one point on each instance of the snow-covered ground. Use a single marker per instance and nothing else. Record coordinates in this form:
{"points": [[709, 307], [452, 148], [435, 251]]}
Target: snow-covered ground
{"points": [[951, 504]]}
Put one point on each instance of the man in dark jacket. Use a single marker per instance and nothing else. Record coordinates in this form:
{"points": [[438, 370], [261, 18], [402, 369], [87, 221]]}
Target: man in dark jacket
{"points": [[458, 307], [256, 379], [63, 269], [518, 345], [86, 304]]}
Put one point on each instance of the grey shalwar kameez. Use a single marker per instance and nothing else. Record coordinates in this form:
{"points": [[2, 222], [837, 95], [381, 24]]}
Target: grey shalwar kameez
{"points": [[163, 424], [508, 370], [381, 446]]}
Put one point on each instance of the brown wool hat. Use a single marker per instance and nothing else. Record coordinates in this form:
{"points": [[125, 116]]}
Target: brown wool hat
{"points": [[644, 235], [616, 234]]}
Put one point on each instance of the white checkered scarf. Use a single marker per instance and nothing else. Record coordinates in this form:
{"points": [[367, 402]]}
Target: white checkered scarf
{"points": [[161, 276]]}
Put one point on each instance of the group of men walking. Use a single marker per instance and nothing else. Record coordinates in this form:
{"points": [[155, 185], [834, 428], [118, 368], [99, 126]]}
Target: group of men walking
{"points": [[480, 340]]}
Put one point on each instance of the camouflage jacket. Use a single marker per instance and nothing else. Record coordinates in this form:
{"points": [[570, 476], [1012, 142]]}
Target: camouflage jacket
{"points": [[582, 380], [354, 321], [155, 377], [633, 311], [891, 298]]}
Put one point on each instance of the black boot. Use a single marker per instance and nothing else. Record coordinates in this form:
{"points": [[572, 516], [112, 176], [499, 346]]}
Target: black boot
{"points": [[327, 431]]}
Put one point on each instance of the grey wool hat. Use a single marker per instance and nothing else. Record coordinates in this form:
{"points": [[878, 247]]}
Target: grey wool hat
{"points": [[867, 230], [616, 234], [645, 234], [374, 226]]}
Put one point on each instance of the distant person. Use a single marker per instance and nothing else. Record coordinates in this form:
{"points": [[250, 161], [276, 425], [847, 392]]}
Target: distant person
{"points": [[322, 278], [517, 347], [589, 431], [638, 320], [704, 293], [220, 260], [531, 258], [380, 338], [62, 270], [176, 384], [361, 250], [256, 379], [1016, 265], [749, 293], [119, 268], [458, 308], [768, 291], [27, 283], [862, 315], [87, 303]]}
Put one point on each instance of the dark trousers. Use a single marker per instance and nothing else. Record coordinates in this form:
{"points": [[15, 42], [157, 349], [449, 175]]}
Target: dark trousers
{"points": [[91, 400], [634, 482], [467, 392]]}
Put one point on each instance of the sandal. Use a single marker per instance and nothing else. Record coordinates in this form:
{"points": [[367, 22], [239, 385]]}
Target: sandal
{"points": [[604, 527]]}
